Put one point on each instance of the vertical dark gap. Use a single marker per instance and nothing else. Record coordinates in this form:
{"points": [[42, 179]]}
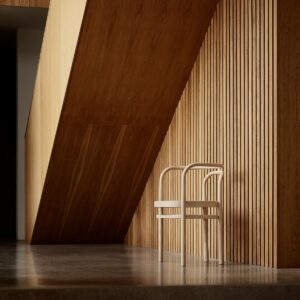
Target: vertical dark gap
{"points": [[8, 131]]}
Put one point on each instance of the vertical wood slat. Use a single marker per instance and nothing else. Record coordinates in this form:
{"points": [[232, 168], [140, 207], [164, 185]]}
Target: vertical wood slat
{"points": [[250, 129], [274, 210], [254, 144], [226, 115]]}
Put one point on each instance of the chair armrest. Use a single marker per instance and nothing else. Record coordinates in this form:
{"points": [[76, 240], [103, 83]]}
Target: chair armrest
{"points": [[208, 176], [200, 166]]}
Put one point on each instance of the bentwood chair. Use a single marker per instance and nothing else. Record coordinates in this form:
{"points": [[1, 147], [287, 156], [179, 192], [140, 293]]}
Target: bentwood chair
{"points": [[182, 204]]}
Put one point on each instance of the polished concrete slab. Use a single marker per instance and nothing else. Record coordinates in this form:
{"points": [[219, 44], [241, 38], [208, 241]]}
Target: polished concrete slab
{"points": [[121, 272]]}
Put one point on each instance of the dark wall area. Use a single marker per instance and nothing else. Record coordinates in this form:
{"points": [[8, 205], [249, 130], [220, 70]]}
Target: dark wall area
{"points": [[8, 134]]}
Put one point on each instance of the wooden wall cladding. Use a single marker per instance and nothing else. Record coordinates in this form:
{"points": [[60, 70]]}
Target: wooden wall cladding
{"points": [[59, 44], [132, 62], [227, 114], [288, 129], [26, 3]]}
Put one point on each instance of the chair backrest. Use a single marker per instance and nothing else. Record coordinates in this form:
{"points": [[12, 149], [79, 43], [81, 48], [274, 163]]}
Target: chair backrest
{"points": [[215, 170]]}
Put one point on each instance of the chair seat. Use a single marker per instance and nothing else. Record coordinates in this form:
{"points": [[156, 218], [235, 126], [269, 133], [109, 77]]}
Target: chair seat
{"points": [[177, 204], [189, 217]]}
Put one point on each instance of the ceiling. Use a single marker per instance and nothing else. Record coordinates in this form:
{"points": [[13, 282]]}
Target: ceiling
{"points": [[20, 17]]}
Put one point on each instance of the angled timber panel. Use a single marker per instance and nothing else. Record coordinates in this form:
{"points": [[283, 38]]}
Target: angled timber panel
{"points": [[132, 62], [59, 44]]}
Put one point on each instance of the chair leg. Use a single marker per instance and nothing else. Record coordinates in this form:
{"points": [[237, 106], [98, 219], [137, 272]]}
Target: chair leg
{"points": [[205, 234], [182, 231], [221, 237], [160, 240]]}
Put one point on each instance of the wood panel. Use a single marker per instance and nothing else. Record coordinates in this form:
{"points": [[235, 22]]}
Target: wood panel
{"points": [[226, 115], [60, 40], [132, 63], [288, 129], [26, 3]]}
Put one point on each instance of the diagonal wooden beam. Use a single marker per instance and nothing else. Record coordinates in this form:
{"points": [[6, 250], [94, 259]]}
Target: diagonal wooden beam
{"points": [[132, 62]]}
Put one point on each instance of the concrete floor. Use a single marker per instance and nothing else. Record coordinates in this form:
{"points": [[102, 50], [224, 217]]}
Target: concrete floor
{"points": [[118, 272]]}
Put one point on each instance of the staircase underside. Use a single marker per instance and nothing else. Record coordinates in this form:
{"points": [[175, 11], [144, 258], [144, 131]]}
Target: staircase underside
{"points": [[132, 62]]}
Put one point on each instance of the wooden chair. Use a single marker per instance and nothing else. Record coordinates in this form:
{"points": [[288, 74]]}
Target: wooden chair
{"points": [[182, 204]]}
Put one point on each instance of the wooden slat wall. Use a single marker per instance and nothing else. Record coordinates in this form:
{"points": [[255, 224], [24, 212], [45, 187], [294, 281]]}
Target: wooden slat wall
{"points": [[59, 44], [26, 3], [227, 115]]}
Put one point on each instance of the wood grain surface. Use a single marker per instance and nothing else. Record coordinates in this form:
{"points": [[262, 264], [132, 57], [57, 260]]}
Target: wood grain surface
{"points": [[132, 62], [26, 3], [288, 130], [59, 44]]}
